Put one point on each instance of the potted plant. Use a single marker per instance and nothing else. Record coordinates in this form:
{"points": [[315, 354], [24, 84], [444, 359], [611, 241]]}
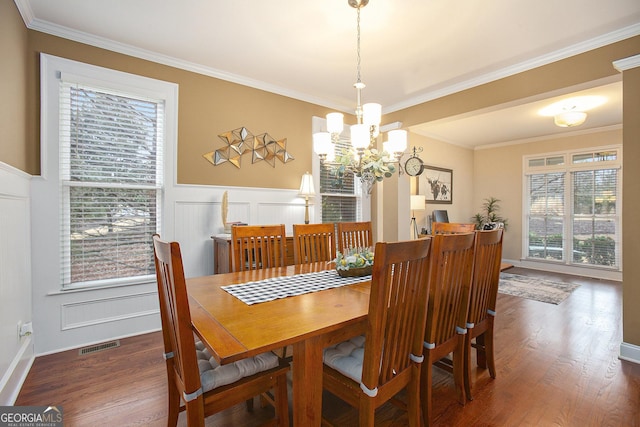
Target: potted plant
{"points": [[489, 214]]}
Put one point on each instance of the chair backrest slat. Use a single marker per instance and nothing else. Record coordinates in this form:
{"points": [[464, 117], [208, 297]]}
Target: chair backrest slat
{"points": [[313, 243], [397, 309], [354, 235], [256, 247]]}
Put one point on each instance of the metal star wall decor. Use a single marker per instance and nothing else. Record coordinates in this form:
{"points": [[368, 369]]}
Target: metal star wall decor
{"points": [[240, 141]]}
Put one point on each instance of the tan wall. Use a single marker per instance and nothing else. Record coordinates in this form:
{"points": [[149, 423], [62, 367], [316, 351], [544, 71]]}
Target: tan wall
{"points": [[13, 69], [498, 173], [631, 207], [207, 107]]}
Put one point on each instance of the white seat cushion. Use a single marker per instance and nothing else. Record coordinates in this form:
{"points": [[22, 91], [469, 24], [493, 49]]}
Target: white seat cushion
{"points": [[346, 357], [213, 375]]}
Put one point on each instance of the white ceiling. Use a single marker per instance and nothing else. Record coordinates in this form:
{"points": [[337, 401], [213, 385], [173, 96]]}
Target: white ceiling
{"points": [[412, 50]]}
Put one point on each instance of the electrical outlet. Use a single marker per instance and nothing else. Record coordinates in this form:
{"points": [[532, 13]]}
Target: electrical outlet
{"points": [[25, 329]]}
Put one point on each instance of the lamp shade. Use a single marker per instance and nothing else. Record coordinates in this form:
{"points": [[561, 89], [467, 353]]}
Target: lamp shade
{"points": [[397, 141], [335, 122], [322, 143], [306, 185], [360, 136], [417, 202]]}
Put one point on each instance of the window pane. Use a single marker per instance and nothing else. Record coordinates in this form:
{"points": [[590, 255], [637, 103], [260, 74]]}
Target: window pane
{"points": [[546, 210], [339, 209], [545, 238], [594, 241], [112, 138], [536, 162], [110, 230], [554, 161]]}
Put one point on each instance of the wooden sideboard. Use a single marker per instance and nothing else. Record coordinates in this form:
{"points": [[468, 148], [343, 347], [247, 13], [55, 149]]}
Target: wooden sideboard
{"points": [[222, 256]]}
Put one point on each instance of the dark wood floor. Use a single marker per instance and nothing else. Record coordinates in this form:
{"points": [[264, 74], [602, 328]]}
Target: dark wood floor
{"points": [[556, 365]]}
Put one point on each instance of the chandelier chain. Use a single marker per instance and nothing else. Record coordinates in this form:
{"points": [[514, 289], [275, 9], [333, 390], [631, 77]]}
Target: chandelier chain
{"points": [[358, 48]]}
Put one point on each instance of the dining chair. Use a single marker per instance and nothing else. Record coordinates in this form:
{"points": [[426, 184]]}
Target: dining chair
{"points": [[482, 303], [258, 246], [354, 235], [449, 282], [313, 243], [451, 227], [366, 371], [194, 377]]}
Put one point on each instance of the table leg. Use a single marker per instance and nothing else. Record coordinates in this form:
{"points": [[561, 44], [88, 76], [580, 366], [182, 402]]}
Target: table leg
{"points": [[307, 383]]}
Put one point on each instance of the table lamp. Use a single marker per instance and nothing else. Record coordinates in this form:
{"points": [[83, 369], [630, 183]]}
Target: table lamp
{"points": [[306, 190], [417, 204]]}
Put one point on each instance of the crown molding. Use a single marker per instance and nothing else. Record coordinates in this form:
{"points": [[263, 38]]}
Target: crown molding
{"points": [[627, 63]]}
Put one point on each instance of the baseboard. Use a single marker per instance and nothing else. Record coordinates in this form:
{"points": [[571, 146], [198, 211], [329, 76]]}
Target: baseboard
{"points": [[630, 353], [595, 273], [16, 373]]}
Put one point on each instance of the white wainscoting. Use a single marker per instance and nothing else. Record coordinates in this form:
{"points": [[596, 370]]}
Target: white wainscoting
{"points": [[198, 216], [66, 319], [16, 354]]}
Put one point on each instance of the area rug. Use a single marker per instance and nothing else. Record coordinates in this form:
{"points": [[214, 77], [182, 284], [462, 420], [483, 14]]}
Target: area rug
{"points": [[534, 288]]}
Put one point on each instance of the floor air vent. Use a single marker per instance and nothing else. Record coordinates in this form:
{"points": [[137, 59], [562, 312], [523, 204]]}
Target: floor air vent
{"points": [[99, 347]]}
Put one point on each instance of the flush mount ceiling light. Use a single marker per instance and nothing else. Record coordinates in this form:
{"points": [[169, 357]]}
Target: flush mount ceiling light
{"points": [[571, 111], [570, 119]]}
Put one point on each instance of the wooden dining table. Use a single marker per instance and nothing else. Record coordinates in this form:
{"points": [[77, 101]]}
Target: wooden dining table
{"points": [[233, 330]]}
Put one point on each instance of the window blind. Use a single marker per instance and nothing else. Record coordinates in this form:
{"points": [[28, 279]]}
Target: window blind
{"points": [[595, 217], [111, 183], [339, 190], [546, 215]]}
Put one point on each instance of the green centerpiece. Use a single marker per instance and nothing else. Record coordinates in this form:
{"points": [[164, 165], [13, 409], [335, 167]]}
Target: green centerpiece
{"points": [[354, 262]]}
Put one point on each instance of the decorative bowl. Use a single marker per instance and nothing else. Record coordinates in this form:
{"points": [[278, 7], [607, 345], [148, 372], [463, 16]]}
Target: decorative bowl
{"points": [[356, 272]]}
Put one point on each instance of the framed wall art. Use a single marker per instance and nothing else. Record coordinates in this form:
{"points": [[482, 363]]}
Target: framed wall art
{"points": [[437, 185]]}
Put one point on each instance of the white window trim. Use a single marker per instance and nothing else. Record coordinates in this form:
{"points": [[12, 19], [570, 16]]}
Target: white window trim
{"points": [[45, 189], [568, 167]]}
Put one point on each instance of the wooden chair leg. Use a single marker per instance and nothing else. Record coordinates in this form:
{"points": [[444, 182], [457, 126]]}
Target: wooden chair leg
{"points": [[413, 398], [489, 349], [467, 364], [458, 369], [367, 412], [195, 412], [174, 406], [426, 379]]}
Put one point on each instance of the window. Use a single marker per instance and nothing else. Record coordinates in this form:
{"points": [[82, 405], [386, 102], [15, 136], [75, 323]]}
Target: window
{"points": [[111, 186], [572, 210], [105, 163]]}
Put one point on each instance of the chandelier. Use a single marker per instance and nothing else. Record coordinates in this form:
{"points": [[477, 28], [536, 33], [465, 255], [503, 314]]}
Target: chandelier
{"points": [[362, 158]]}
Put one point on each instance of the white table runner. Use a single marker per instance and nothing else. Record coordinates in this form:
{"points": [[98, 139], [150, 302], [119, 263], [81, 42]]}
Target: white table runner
{"points": [[287, 286]]}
